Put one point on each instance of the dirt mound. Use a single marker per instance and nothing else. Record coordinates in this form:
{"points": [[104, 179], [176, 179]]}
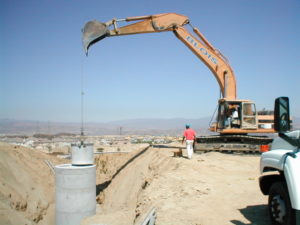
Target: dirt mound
{"points": [[27, 186]]}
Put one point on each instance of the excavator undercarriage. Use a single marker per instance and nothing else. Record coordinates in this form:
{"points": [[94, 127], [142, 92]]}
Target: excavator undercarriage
{"points": [[233, 143]]}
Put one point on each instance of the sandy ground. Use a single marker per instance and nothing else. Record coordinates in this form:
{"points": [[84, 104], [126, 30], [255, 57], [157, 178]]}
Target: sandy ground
{"points": [[211, 189], [26, 186]]}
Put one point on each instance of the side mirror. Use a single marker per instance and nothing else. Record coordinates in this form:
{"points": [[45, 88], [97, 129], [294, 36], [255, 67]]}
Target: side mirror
{"points": [[282, 115]]}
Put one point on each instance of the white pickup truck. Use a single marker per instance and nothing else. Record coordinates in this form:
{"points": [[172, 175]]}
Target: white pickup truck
{"points": [[280, 169]]}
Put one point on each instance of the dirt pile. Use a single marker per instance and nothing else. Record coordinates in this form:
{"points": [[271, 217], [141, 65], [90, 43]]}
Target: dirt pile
{"points": [[27, 186]]}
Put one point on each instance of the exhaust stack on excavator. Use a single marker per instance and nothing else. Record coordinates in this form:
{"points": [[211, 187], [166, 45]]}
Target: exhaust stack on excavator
{"points": [[93, 32]]}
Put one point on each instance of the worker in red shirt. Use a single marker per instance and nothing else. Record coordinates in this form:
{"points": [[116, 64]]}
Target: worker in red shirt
{"points": [[190, 136]]}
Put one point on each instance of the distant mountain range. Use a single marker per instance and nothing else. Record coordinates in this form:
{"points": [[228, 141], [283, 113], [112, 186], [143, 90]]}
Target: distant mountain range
{"points": [[134, 126], [173, 126]]}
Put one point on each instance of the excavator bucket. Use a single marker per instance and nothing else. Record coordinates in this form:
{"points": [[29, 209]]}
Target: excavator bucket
{"points": [[92, 32]]}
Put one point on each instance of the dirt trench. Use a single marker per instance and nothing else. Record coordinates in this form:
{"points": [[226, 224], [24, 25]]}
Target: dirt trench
{"points": [[210, 189], [119, 196]]}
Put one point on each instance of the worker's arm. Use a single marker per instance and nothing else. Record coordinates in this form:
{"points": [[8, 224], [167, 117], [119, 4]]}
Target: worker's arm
{"points": [[95, 31], [183, 138]]}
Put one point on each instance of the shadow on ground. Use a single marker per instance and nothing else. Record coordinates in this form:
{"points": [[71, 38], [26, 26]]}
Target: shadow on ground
{"points": [[167, 146], [101, 187], [256, 214]]}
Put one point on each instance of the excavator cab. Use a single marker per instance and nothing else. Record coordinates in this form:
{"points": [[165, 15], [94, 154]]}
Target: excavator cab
{"points": [[235, 116]]}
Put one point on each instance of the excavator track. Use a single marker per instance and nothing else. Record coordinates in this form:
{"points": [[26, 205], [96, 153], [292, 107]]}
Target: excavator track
{"points": [[232, 143]]}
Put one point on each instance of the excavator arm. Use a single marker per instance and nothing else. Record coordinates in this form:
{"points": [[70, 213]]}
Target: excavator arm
{"points": [[95, 31]]}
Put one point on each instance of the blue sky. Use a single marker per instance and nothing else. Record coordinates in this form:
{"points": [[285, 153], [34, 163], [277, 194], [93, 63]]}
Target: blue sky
{"points": [[147, 75]]}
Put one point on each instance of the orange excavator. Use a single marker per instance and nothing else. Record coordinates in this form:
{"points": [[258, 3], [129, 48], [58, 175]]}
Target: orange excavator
{"points": [[235, 118]]}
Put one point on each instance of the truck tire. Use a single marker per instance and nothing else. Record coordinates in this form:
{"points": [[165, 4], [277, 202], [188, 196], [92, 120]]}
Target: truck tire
{"points": [[280, 209]]}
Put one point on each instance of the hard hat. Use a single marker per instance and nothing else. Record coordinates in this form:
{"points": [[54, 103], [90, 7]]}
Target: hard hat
{"points": [[187, 125]]}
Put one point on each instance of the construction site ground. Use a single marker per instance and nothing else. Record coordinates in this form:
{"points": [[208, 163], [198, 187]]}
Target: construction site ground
{"points": [[211, 189]]}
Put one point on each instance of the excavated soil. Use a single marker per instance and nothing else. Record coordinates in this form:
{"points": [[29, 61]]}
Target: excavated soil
{"points": [[26, 186], [211, 189]]}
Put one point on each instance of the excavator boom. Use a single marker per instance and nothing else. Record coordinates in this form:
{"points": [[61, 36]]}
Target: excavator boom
{"points": [[95, 31]]}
